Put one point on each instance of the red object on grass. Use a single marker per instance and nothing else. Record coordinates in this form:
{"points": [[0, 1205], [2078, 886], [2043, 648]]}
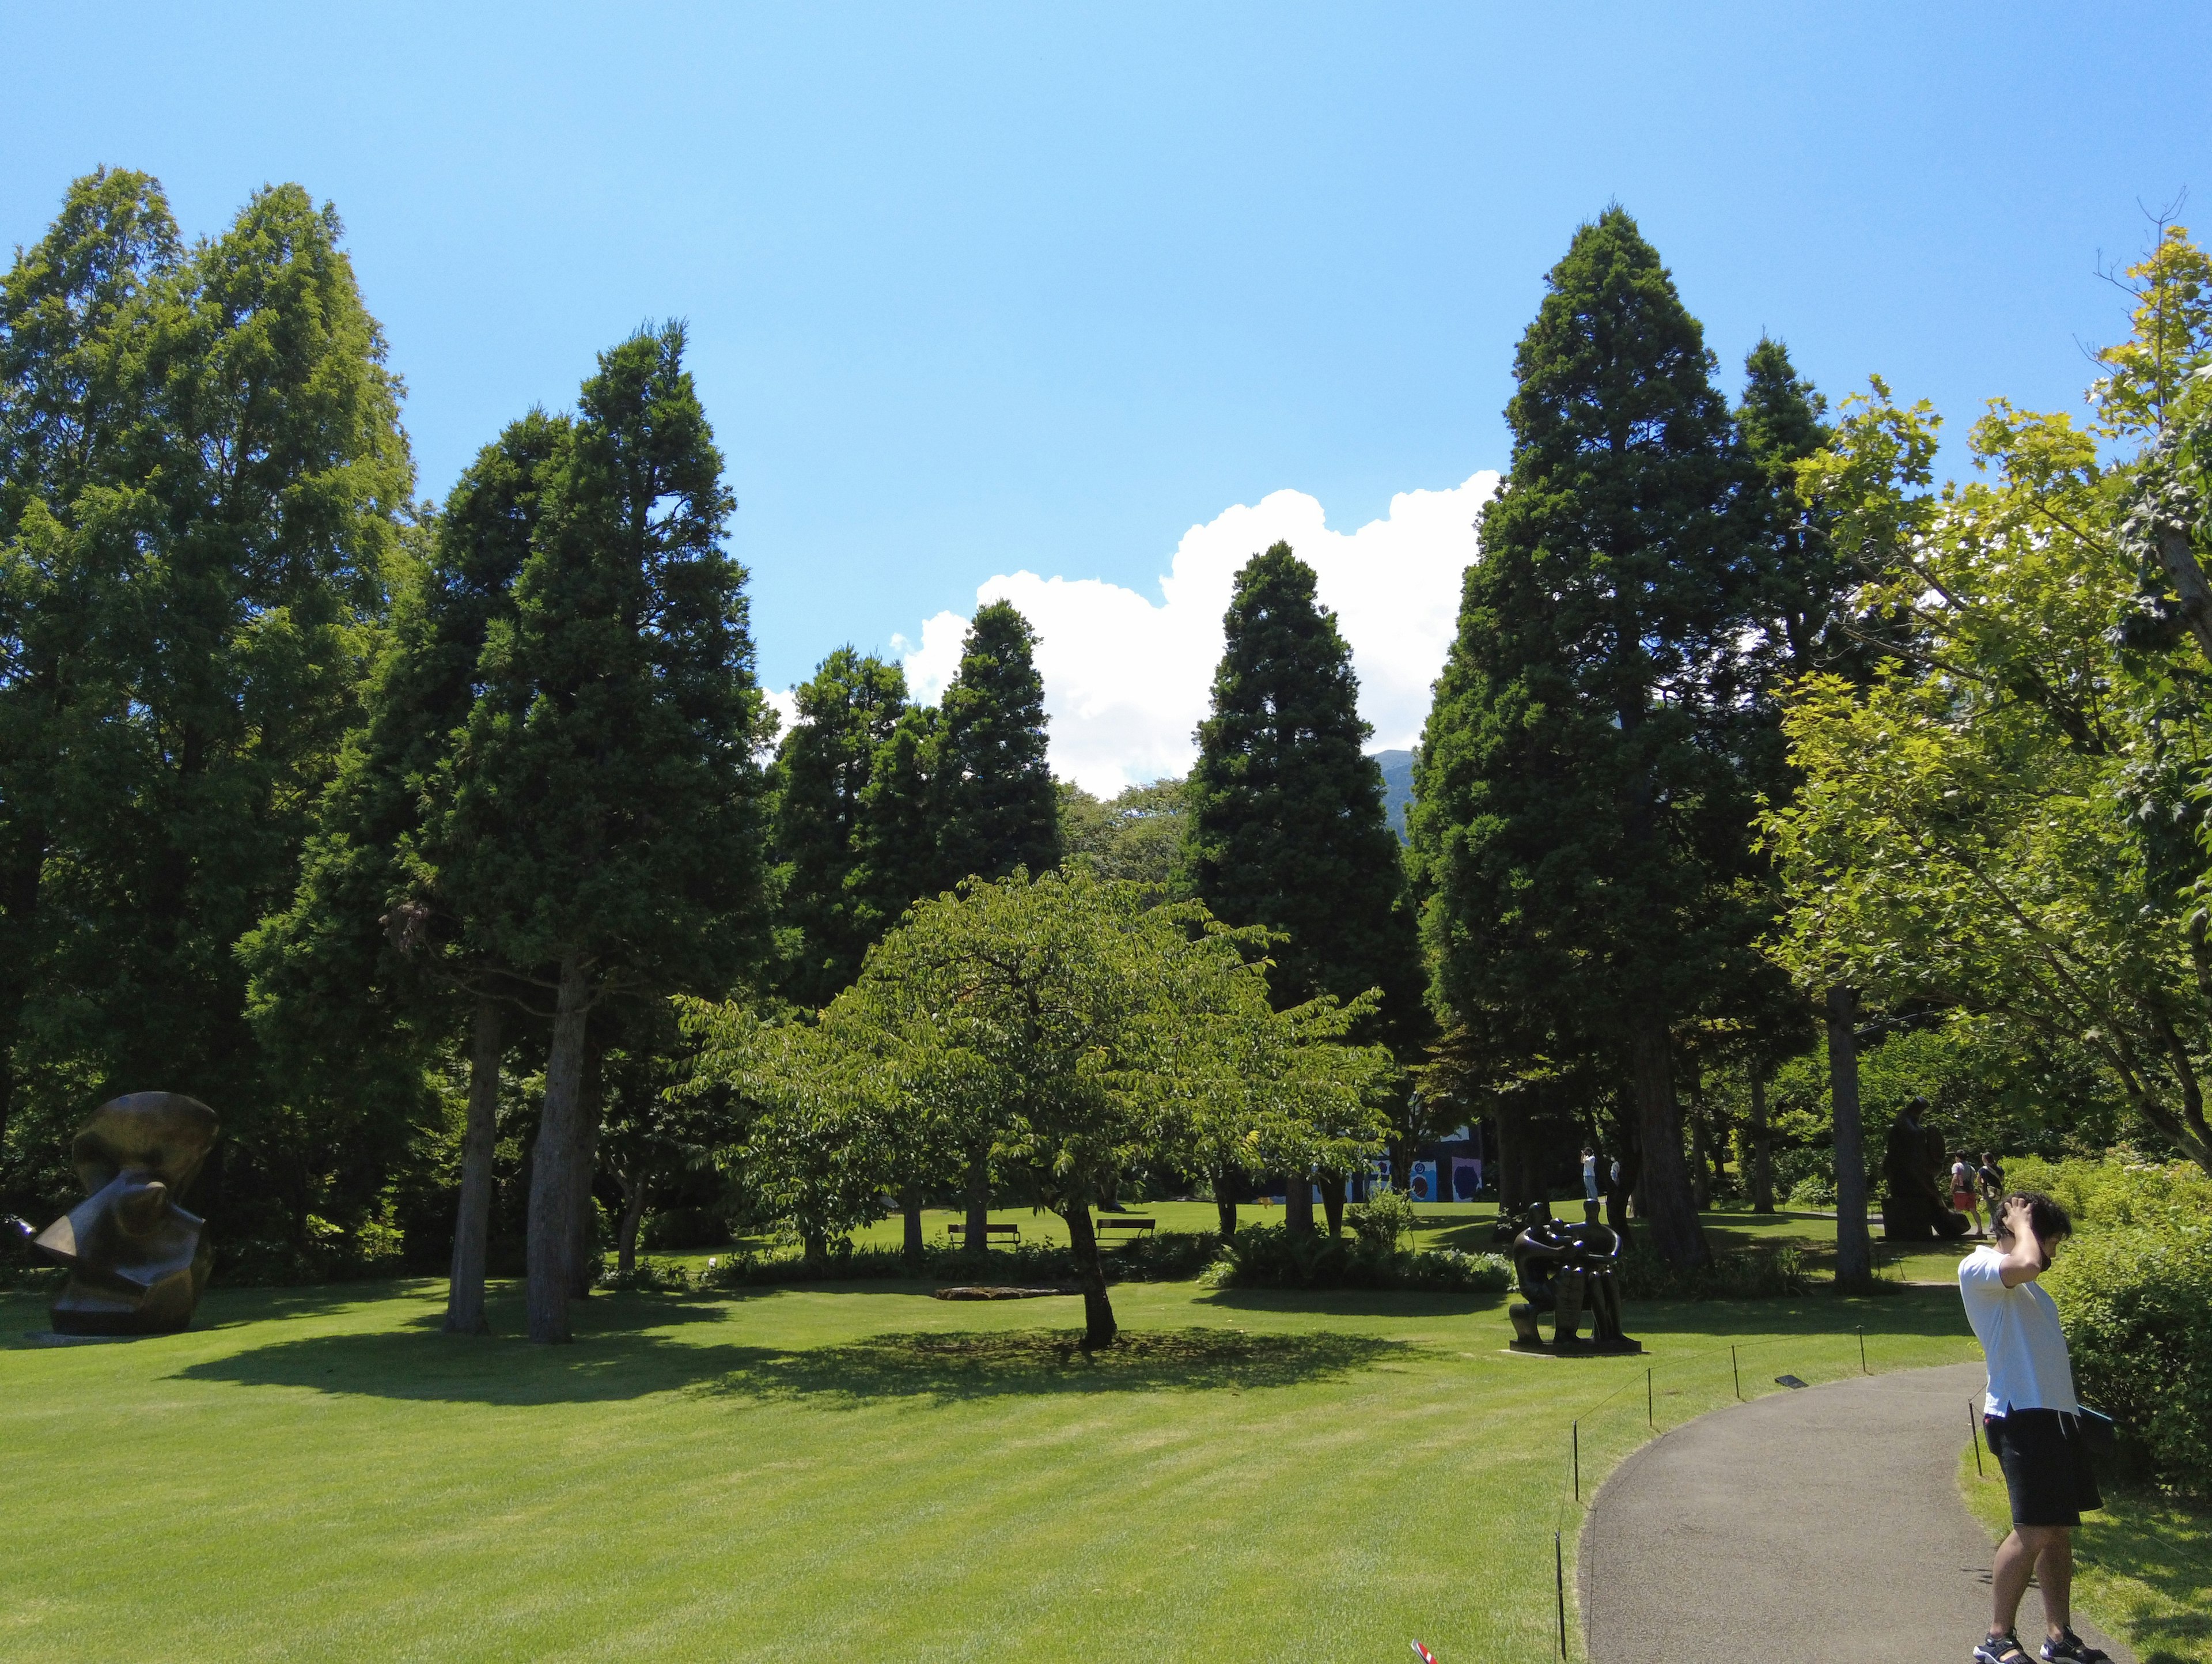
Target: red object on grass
{"points": [[1427, 1657]]}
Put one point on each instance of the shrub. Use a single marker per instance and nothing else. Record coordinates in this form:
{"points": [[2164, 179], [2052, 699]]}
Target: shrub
{"points": [[649, 1277], [1166, 1257], [2118, 1189], [1761, 1272], [1383, 1221], [2139, 1326], [1272, 1257]]}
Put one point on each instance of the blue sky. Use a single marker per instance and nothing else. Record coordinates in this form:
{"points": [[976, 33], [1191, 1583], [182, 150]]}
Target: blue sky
{"points": [[981, 289]]}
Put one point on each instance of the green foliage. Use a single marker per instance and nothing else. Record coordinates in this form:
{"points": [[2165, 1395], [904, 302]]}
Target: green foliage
{"points": [[649, 1277], [1759, 1272], [1058, 1033], [204, 489], [1383, 1221], [897, 839], [2119, 1190], [1285, 827], [2139, 1330], [992, 804], [826, 920], [1984, 1093], [2001, 824], [1580, 815], [1276, 1257], [1167, 1257], [1137, 835], [604, 803]]}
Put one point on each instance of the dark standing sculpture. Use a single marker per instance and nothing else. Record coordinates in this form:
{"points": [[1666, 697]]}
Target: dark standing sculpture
{"points": [[1913, 1208], [1566, 1270], [137, 1261]]}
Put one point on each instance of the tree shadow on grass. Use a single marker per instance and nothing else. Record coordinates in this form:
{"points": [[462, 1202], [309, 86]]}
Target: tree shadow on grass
{"points": [[1355, 1302], [952, 1367], [624, 1350]]}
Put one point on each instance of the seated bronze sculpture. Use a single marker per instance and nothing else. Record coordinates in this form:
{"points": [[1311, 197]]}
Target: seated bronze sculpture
{"points": [[1566, 1270], [137, 1261]]}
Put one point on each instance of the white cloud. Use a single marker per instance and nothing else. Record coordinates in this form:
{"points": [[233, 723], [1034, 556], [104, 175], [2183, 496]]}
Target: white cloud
{"points": [[1127, 679]]}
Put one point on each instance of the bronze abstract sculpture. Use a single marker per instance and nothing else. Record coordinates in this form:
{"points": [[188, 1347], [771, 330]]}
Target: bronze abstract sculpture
{"points": [[1566, 1270], [137, 1261]]}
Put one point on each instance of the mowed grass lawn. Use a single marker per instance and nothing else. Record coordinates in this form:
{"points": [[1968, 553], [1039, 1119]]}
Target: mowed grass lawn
{"points": [[854, 1471]]}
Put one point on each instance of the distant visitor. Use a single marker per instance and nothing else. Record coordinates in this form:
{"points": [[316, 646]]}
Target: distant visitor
{"points": [[137, 1261]]}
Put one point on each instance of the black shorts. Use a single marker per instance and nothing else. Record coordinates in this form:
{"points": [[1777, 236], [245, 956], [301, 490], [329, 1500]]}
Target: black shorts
{"points": [[2046, 1466]]}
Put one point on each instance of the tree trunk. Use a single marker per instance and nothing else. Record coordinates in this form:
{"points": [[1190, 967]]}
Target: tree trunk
{"points": [[584, 1216], [634, 1192], [1762, 1146], [976, 1238], [465, 1289], [1701, 1181], [19, 903], [813, 1245], [1853, 1244], [1512, 1178], [551, 1243], [1098, 1326], [1332, 1202], [910, 1206], [1664, 1199], [1225, 1202], [1298, 1204]]}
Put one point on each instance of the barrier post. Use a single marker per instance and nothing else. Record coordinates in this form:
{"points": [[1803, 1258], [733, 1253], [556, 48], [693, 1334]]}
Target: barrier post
{"points": [[1863, 1370], [1649, 1419], [1560, 1577], [1578, 1460], [1736, 1372]]}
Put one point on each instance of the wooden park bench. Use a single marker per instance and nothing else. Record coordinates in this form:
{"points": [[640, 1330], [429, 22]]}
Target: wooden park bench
{"points": [[1128, 1223], [958, 1234]]}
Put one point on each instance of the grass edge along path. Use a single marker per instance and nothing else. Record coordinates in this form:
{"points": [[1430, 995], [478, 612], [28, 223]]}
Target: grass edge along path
{"points": [[1844, 1336], [857, 1470], [2142, 1563]]}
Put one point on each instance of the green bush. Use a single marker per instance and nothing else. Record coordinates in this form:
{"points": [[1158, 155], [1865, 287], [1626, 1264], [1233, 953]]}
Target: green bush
{"points": [[2139, 1325], [1762, 1273], [2119, 1190], [649, 1277], [1272, 1257], [1383, 1221], [1165, 1256]]}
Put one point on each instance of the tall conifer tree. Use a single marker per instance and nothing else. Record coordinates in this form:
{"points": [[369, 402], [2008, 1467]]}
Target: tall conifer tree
{"points": [[846, 714], [1285, 821], [1580, 817], [992, 803], [601, 824], [240, 479], [70, 308], [370, 964]]}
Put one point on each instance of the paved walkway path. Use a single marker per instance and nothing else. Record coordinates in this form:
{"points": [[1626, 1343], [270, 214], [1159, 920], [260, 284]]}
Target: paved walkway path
{"points": [[1822, 1525]]}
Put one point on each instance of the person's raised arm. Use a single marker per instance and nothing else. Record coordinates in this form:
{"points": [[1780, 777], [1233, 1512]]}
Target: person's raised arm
{"points": [[2023, 1258]]}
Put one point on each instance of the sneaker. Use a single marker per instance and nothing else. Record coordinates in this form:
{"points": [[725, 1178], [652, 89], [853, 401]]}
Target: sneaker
{"points": [[2071, 1649], [2001, 1649]]}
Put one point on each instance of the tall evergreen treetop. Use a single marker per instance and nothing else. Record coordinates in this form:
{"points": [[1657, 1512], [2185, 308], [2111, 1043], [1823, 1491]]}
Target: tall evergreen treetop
{"points": [[1781, 420], [991, 799], [1285, 824], [600, 821], [1579, 818], [222, 481], [846, 714]]}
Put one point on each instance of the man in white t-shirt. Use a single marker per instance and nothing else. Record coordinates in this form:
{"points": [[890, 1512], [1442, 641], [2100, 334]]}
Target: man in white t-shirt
{"points": [[2034, 1425]]}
